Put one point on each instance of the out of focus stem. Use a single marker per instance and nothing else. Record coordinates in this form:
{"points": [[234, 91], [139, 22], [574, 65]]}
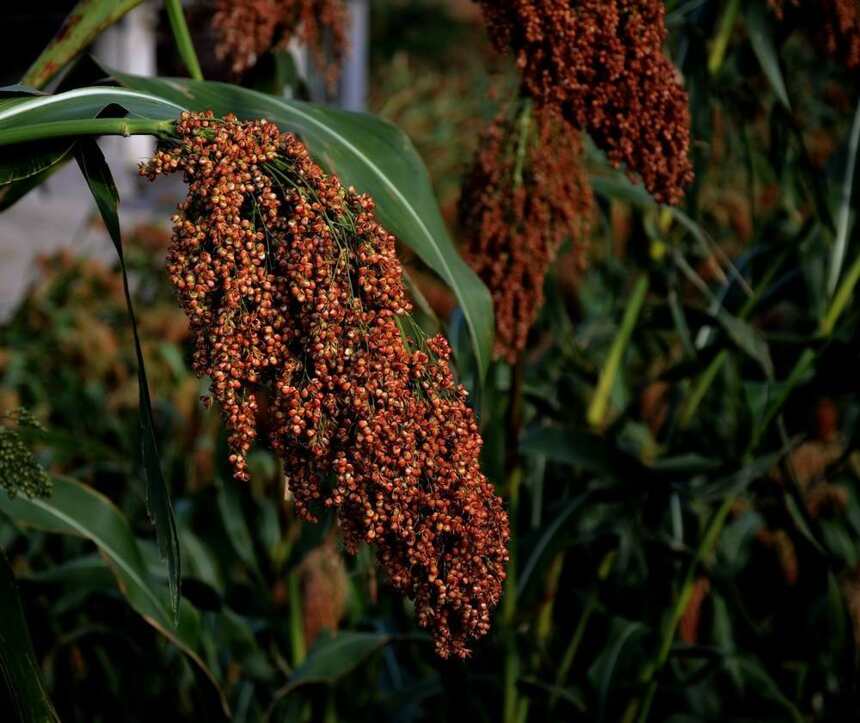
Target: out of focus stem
{"points": [[183, 38], [721, 41], [297, 628], [652, 671], [600, 402], [578, 634], [841, 299], [514, 710], [524, 122]]}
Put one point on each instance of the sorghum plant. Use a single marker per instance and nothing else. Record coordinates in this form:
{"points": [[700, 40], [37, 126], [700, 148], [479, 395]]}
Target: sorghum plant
{"points": [[295, 298], [249, 28], [525, 194], [602, 65]]}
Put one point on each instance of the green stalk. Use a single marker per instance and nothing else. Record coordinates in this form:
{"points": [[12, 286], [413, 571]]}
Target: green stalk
{"points": [[509, 606], [84, 23], [599, 404], [514, 470], [297, 628], [524, 121], [86, 127], [183, 38], [843, 295], [721, 42], [704, 551], [590, 606]]}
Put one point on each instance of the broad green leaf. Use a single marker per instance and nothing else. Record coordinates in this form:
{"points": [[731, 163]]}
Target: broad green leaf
{"points": [[158, 501], [333, 656], [368, 153], [568, 446], [75, 509], [18, 666], [87, 19], [760, 32], [365, 152]]}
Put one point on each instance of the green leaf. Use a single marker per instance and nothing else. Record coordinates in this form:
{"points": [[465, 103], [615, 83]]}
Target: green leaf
{"points": [[230, 507], [18, 665], [364, 151], [602, 671], [568, 446], [82, 104], [760, 32], [368, 153], [75, 509], [333, 656], [549, 532], [159, 505], [87, 20]]}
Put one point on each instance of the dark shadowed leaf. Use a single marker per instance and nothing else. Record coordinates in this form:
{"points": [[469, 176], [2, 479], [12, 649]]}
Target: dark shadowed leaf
{"points": [[334, 656], [20, 671], [760, 31], [159, 504], [75, 509]]}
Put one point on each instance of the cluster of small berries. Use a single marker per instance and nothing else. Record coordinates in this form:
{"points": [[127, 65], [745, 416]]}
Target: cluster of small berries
{"points": [[296, 301], [601, 63], [525, 194], [834, 24], [248, 28], [20, 472]]}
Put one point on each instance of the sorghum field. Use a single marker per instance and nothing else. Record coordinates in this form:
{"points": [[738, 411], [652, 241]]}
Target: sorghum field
{"points": [[530, 394]]}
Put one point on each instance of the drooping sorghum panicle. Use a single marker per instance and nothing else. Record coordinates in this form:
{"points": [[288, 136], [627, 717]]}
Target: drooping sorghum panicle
{"points": [[294, 293], [526, 192], [834, 25], [20, 471], [601, 62], [249, 28]]}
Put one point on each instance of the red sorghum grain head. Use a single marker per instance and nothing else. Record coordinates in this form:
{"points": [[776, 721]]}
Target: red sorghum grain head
{"points": [[295, 296], [525, 193], [833, 24], [601, 62], [249, 28]]}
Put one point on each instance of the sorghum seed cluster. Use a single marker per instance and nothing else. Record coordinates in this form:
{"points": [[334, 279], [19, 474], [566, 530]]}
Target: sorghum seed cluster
{"points": [[835, 25], [601, 62], [295, 298], [249, 28], [526, 192], [19, 470]]}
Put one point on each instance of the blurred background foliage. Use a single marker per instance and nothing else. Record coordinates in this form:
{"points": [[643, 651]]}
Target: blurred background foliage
{"points": [[686, 520]]}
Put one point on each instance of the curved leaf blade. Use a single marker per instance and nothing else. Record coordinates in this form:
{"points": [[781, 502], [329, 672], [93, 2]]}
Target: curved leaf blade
{"points": [[158, 501], [333, 656], [78, 510], [368, 153], [87, 19]]}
